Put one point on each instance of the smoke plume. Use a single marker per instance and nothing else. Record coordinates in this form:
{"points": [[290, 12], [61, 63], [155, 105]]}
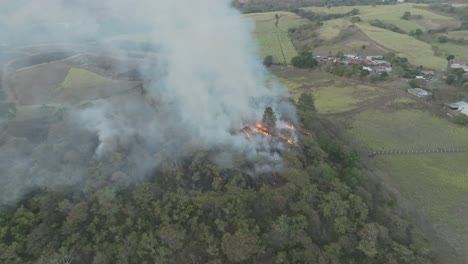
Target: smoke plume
{"points": [[202, 82]]}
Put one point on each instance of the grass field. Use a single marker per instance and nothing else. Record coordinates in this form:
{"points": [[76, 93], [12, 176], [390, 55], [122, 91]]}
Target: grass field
{"points": [[438, 184], [417, 52], [391, 14], [406, 130], [341, 99], [274, 40]]}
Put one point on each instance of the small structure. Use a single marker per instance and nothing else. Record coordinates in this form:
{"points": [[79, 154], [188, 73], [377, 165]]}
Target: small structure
{"points": [[375, 57], [421, 93], [428, 73], [369, 69], [419, 77], [458, 106]]}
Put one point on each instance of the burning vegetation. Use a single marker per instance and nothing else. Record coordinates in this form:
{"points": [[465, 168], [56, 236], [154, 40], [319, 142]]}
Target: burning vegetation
{"points": [[283, 131]]}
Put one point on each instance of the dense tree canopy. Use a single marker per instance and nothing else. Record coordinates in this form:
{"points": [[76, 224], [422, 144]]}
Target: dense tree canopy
{"points": [[320, 208]]}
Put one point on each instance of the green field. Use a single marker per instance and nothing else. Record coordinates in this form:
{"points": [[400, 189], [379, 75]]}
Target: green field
{"points": [[274, 40], [417, 52], [406, 130], [391, 14], [438, 184], [341, 99]]}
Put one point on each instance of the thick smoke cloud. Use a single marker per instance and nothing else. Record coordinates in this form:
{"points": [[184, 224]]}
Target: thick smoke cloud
{"points": [[205, 83]]}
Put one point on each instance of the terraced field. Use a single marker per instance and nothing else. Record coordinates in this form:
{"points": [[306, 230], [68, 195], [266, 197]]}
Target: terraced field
{"points": [[273, 37]]}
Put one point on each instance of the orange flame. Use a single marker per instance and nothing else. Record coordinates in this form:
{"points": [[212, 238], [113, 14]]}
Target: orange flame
{"points": [[260, 129]]}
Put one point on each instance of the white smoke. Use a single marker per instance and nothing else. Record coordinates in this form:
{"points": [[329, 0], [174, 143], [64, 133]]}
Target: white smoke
{"points": [[208, 81]]}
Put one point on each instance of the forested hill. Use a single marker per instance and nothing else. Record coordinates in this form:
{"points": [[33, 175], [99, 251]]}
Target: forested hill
{"points": [[319, 209]]}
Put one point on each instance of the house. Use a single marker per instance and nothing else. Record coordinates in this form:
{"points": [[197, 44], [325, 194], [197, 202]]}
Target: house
{"points": [[458, 106], [377, 57], [421, 93], [369, 69], [419, 77]]}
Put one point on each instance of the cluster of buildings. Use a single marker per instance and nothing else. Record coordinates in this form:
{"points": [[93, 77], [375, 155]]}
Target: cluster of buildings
{"points": [[371, 63]]}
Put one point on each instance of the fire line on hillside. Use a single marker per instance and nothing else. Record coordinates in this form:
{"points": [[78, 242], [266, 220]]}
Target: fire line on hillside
{"points": [[259, 129]]}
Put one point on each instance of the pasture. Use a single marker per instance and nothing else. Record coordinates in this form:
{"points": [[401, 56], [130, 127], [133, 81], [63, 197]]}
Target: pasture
{"points": [[272, 34]]}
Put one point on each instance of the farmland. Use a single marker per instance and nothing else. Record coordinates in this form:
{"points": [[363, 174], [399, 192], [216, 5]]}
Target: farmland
{"points": [[273, 38]]}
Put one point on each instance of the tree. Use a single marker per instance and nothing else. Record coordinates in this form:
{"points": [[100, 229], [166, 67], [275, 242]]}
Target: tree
{"points": [[418, 33], [450, 58], [304, 60], [306, 103], [268, 61], [406, 15], [450, 79], [443, 39], [269, 119], [355, 19]]}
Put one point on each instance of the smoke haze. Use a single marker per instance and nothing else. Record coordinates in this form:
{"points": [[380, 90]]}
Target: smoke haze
{"points": [[203, 84]]}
